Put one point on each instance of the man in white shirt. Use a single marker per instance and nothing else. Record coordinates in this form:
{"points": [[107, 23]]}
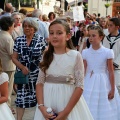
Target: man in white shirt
{"points": [[112, 41], [43, 30], [8, 10]]}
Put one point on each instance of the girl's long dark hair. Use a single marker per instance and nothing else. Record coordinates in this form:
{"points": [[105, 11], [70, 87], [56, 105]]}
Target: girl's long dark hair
{"points": [[48, 55]]}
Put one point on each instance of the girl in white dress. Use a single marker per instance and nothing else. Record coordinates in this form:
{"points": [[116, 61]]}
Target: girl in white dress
{"points": [[60, 80], [100, 92], [83, 40], [5, 112], [104, 25]]}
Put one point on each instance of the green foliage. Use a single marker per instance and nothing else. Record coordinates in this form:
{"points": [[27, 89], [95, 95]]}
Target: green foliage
{"points": [[40, 1], [86, 5], [107, 5]]}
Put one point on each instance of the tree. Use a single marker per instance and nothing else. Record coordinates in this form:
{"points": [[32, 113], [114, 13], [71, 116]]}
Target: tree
{"points": [[86, 6], [107, 5]]}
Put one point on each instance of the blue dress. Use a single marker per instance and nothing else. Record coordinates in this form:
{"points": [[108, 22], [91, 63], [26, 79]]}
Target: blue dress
{"points": [[26, 96]]}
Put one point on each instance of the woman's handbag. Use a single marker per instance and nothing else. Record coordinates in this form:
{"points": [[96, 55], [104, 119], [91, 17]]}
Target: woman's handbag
{"points": [[19, 77]]}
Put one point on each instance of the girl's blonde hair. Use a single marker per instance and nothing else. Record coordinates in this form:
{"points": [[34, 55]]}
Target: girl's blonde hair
{"points": [[1, 70], [106, 19], [44, 17]]}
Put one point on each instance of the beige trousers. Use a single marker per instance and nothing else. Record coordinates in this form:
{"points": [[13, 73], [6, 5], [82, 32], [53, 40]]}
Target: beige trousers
{"points": [[10, 88]]}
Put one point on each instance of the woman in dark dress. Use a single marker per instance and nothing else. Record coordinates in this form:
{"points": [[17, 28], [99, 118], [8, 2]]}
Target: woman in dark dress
{"points": [[27, 54]]}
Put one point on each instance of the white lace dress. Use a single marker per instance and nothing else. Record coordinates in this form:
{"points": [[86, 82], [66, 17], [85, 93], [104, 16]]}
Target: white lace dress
{"points": [[63, 76], [97, 85], [5, 112]]}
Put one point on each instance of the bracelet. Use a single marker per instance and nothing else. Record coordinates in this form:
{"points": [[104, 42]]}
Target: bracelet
{"points": [[40, 105]]}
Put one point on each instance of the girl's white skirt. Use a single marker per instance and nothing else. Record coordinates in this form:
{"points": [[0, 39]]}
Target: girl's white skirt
{"points": [[57, 97]]}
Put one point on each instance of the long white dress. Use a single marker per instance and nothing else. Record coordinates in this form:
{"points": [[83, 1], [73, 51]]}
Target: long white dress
{"points": [[56, 93], [5, 112], [81, 43], [97, 85]]}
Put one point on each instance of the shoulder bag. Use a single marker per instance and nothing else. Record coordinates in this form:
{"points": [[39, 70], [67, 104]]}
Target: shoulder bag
{"points": [[19, 77]]}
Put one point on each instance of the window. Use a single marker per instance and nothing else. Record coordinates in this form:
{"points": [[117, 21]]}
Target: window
{"points": [[118, 8], [106, 0], [116, 0], [23, 3], [26, 3]]}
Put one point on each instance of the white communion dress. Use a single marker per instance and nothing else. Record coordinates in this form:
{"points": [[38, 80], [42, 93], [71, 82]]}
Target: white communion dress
{"points": [[97, 85], [65, 73], [5, 112]]}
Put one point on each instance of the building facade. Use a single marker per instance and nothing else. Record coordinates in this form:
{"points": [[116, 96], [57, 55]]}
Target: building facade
{"points": [[116, 8], [98, 6]]}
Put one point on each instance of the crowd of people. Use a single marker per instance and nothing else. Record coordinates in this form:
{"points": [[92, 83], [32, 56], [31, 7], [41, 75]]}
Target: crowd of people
{"points": [[72, 67]]}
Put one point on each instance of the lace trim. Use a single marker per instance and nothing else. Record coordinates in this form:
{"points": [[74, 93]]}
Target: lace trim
{"points": [[41, 77], [79, 71], [79, 76]]}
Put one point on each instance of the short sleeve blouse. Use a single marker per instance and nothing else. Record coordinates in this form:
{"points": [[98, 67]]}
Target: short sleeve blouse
{"points": [[84, 54], [110, 54], [3, 78], [31, 54]]}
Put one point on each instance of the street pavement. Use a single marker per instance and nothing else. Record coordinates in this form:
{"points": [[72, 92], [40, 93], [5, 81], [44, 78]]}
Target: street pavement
{"points": [[29, 113]]}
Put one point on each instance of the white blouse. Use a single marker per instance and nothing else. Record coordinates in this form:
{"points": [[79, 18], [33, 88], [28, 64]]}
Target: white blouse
{"points": [[70, 63]]}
